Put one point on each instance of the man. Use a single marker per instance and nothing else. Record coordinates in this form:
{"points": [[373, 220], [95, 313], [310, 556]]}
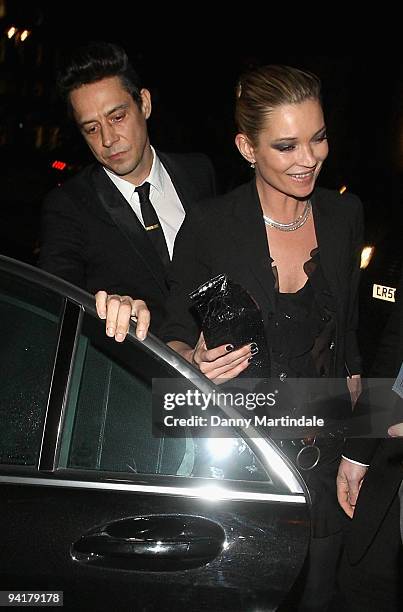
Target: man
{"points": [[93, 227], [368, 481]]}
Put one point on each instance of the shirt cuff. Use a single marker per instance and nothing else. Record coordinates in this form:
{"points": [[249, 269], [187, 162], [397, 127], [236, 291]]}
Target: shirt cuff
{"points": [[356, 462]]}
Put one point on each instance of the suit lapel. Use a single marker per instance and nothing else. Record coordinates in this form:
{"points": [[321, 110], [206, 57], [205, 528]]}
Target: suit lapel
{"points": [[329, 244], [129, 225], [249, 237]]}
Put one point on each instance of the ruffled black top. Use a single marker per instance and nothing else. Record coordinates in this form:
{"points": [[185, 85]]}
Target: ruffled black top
{"points": [[303, 328]]}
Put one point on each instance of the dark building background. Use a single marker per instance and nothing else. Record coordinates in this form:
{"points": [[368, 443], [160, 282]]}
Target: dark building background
{"points": [[191, 73]]}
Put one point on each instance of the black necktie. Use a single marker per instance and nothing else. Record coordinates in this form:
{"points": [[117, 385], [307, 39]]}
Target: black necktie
{"points": [[152, 224]]}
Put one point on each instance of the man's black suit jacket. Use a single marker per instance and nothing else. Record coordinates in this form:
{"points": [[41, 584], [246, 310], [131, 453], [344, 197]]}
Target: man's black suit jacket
{"points": [[385, 457], [228, 235], [92, 238]]}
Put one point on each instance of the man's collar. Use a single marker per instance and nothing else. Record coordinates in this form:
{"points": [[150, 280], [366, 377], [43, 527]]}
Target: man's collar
{"points": [[155, 178]]}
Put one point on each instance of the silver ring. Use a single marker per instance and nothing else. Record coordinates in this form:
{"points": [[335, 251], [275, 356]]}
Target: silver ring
{"points": [[300, 453]]}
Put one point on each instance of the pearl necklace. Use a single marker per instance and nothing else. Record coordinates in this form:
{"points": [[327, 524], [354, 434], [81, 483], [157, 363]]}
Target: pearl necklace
{"points": [[294, 225]]}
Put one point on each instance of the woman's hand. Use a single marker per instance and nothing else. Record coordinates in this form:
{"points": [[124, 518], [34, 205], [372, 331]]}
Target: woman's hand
{"points": [[355, 387], [220, 363]]}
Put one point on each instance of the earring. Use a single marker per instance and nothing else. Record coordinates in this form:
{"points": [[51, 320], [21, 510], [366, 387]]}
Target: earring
{"points": [[252, 164]]}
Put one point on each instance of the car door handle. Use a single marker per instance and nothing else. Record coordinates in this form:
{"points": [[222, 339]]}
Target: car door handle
{"points": [[154, 542]]}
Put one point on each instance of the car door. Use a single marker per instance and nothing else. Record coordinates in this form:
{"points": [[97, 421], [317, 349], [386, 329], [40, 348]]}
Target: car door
{"points": [[95, 504]]}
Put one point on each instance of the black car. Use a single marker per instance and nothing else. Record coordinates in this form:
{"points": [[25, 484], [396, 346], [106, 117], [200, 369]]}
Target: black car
{"points": [[94, 505]]}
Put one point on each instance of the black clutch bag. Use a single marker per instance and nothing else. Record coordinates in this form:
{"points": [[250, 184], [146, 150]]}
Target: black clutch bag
{"points": [[230, 315]]}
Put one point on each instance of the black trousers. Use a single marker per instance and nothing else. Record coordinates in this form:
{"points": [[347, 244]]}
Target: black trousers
{"points": [[314, 590], [375, 583]]}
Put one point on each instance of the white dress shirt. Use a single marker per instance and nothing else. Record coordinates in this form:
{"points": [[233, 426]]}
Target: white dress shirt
{"points": [[356, 462], [163, 197]]}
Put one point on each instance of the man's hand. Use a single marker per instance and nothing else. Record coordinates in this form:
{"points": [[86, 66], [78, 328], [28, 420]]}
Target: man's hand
{"points": [[117, 310], [396, 431], [349, 481]]}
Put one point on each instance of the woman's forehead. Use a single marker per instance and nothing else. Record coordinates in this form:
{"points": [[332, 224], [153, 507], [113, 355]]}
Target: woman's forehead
{"points": [[289, 119]]}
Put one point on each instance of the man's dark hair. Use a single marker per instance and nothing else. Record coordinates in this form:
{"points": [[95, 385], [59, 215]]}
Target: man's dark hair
{"points": [[96, 61]]}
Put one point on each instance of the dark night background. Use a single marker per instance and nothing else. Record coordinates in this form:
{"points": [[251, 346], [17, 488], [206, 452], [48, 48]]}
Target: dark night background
{"points": [[192, 79]]}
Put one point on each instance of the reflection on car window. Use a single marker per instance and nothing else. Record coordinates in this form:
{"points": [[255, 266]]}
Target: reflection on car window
{"points": [[226, 458], [108, 424], [28, 330]]}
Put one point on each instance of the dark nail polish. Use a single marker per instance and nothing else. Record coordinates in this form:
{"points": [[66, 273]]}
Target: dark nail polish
{"points": [[254, 351], [229, 347], [253, 346], [250, 359]]}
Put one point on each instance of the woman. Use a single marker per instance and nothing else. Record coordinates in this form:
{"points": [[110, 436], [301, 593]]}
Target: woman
{"points": [[295, 248]]}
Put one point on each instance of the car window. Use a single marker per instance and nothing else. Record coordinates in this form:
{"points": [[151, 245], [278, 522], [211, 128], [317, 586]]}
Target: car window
{"points": [[29, 319], [109, 427]]}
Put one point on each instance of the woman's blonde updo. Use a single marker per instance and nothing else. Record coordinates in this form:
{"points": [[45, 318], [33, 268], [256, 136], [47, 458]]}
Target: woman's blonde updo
{"points": [[258, 92]]}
